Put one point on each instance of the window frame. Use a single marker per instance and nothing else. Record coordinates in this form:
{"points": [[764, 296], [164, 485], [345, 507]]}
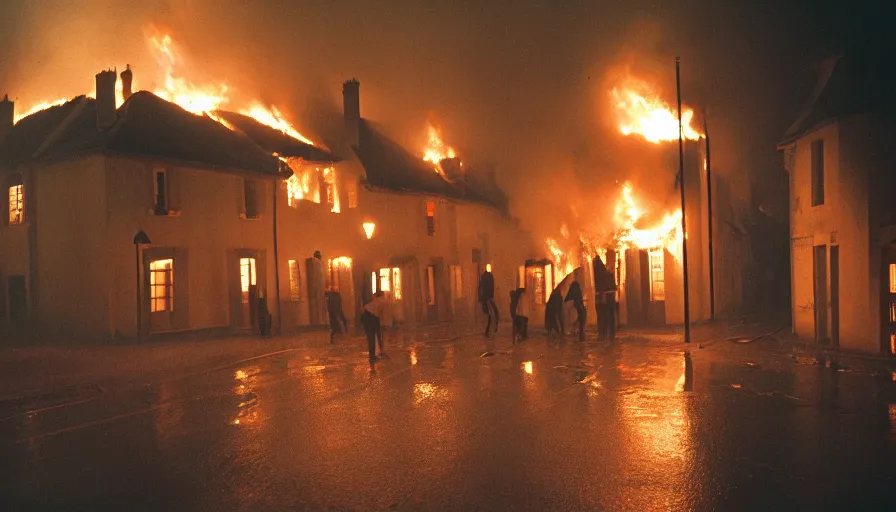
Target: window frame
{"points": [[657, 286], [15, 215], [251, 199], [163, 303], [430, 285], [430, 210], [250, 279]]}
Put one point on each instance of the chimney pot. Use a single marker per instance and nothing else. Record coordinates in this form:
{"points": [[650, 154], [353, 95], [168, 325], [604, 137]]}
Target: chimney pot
{"points": [[105, 99], [127, 78], [7, 116], [351, 108]]}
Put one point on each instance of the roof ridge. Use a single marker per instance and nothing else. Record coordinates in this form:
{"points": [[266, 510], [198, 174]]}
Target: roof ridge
{"points": [[62, 127]]}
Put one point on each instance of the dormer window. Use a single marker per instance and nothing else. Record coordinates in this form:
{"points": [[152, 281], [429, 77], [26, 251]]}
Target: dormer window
{"points": [[16, 200]]}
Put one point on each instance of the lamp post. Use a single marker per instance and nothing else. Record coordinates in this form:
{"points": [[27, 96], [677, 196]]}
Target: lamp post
{"points": [[141, 238], [684, 231]]}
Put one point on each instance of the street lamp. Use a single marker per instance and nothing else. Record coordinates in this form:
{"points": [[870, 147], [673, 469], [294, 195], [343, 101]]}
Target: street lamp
{"points": [[141, 238]]}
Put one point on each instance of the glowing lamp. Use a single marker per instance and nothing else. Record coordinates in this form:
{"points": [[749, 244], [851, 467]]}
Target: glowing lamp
{"points": [[488, 267], [369, 228]]}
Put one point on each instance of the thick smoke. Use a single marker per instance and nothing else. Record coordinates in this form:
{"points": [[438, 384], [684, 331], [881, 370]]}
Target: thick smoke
{"points": [[522, 86]]}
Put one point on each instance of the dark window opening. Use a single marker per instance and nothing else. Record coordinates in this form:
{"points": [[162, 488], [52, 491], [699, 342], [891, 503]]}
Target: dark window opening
{"points": [[817, 158], [160, 192], [250, 195]]}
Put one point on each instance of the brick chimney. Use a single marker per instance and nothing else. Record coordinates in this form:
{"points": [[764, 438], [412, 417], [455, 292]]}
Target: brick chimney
{"points": [[127, 78], [7, 116], [105, 99], [351, 108]]}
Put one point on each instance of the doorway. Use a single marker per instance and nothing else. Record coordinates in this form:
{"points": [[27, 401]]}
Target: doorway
{"points": [[820, 274], [248, 292], [888, 301]]}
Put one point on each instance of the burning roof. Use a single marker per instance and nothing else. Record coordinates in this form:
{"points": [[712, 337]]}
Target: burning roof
{"points": [[274, 140], [146, 126], [390, 166]]}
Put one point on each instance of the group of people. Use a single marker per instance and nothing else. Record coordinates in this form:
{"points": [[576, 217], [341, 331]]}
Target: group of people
{"points": [[604, 305]]}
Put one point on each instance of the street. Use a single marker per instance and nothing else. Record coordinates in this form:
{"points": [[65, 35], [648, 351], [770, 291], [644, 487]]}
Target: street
{"points": [[647, 423]]}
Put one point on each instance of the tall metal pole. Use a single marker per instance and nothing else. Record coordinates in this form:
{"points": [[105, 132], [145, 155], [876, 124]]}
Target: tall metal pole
{"points": [[276, 186], [712, 276], [684, 230]]}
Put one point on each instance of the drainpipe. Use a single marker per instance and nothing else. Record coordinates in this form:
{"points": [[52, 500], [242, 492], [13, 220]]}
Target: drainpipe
{"points": [[684, 230], [277, 262], [712, 277]]}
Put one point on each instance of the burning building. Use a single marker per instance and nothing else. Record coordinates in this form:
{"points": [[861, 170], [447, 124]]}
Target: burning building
{"points": [[129, 214]]}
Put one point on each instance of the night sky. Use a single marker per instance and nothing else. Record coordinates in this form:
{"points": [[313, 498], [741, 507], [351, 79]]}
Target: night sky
{"points": [[521, 84]]}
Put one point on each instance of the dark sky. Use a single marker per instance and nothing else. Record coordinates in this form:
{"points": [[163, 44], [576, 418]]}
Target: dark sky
{"points": [[522, 84]]}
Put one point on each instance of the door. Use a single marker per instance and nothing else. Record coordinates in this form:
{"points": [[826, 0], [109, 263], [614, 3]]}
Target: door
{"points": [[18, 303], [819, 266], [835, 295]]}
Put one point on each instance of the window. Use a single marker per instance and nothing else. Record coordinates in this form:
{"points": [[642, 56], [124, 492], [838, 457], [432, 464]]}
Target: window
{"points": [[521, 277], [250, 199], [160, 192], [396, 283], [430, 285], [385, 275], [247, 277], [892, 277], [334, 265], [16, 202], [295, 281], [329, 177], [817, 172], [457, 282], [161, 285], [539, 286], [431, 218], [657, 275], [352, 186], [373, 281]]}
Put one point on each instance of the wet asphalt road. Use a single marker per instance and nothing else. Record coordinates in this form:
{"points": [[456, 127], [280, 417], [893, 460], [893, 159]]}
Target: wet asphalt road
{"points": [[639, 425]]}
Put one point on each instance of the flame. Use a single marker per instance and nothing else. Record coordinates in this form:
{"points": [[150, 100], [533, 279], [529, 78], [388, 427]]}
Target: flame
{"points": [[666, 234], [190, 97], [436, 150], [37, 108], [564, 263], [640, 111], [273, 118]]}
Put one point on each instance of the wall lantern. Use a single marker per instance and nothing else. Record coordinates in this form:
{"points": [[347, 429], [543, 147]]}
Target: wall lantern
{"points": [[369, 228]]}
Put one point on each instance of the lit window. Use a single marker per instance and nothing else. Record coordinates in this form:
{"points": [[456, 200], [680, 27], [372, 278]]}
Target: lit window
{"points": [[521, 277], [329, 176], [16, 204], [539, 286], [334, 265], [548, 281], [657, 275], [160, 191], [295, 280], [892, 277], [161, 285], [431, 218], [369, 228], [247, 277], [373, 281], [430, 285], [457, 282], [384, 280], [396, 283]]}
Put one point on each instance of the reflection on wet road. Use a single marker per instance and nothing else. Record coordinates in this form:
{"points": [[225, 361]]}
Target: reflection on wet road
{"points": [[456, 425]]}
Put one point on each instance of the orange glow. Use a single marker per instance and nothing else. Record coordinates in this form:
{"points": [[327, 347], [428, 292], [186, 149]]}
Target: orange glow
{"points": [[273, 118], [564, 262], [396, 283], [190, 97], [641, 111], [527, 367], [369, 228], [37, 108], [488, 267], [436, 150], [666, 234]]}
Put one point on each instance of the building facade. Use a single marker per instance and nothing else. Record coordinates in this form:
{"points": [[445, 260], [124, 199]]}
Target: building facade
{"points": [[842, 217]]}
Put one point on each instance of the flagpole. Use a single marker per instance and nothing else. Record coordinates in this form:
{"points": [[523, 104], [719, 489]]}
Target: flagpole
{"points": [[684, 231]]}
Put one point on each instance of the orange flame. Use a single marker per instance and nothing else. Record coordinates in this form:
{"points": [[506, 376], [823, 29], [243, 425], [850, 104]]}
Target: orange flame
{"points": [[640, 111], [666, 234], [273, 118], [190, 97], [436, 149]]}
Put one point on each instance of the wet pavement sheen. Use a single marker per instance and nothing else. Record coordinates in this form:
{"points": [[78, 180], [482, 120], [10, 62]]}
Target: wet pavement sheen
{"points": [[465, 425]]}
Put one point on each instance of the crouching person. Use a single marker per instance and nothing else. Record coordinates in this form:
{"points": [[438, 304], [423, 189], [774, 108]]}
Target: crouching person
{"points": [[377, 313]]}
